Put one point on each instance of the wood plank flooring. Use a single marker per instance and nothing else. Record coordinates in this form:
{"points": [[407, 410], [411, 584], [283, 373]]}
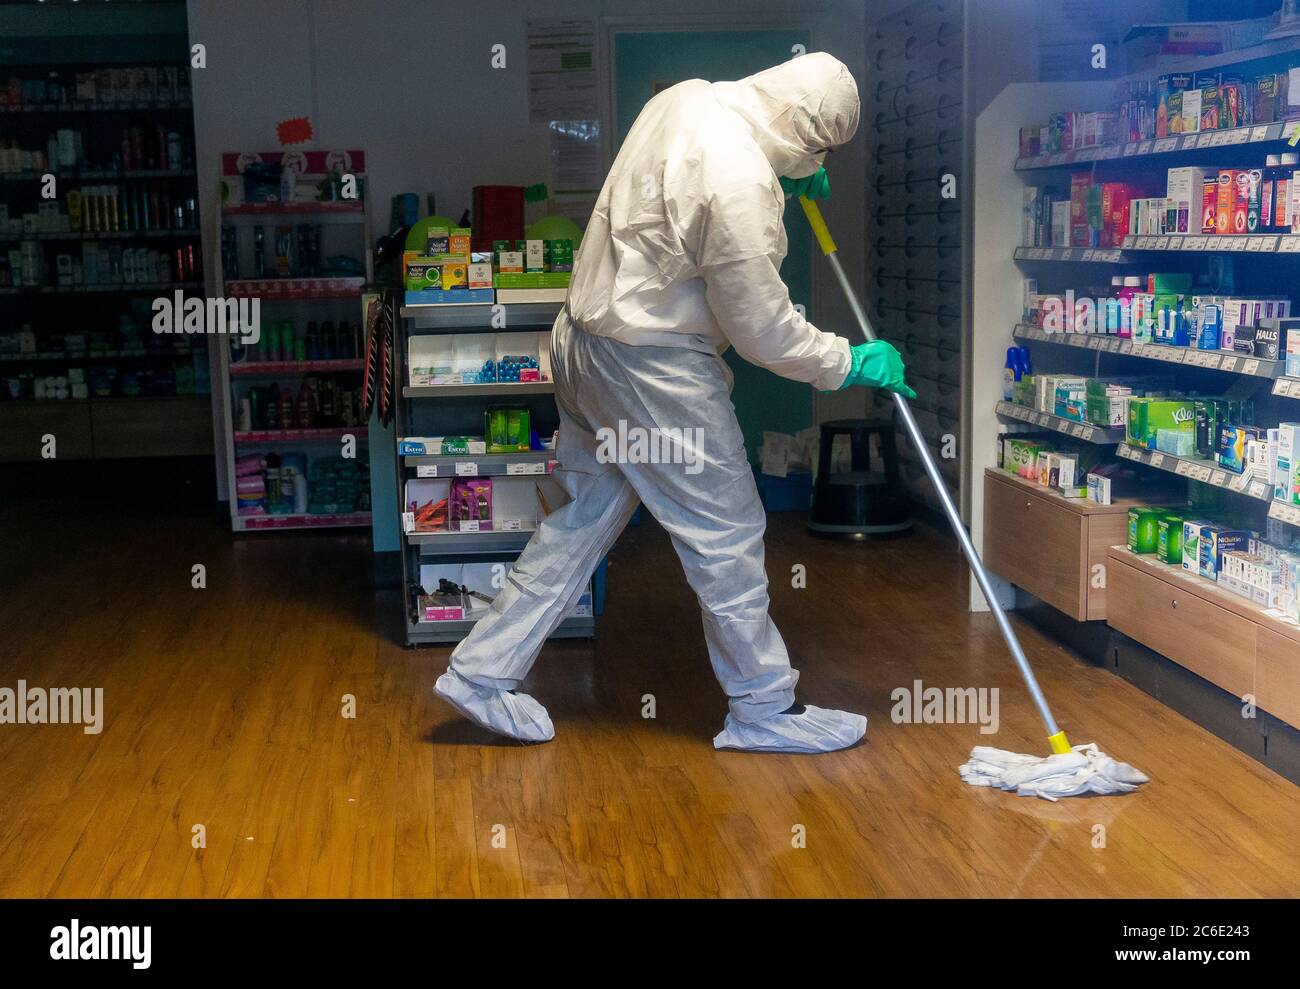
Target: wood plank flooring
{"points": [[223, 710]]}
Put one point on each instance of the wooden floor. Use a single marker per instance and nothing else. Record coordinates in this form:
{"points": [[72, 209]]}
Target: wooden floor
{"points": [[223, 710]]}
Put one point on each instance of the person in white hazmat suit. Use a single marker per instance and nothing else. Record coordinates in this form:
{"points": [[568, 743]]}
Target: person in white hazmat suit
{"points": [[678, 261]]}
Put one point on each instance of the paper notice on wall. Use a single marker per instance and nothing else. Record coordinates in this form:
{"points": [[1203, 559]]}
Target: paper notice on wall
{"points": [[561, 69], [577, 171]]}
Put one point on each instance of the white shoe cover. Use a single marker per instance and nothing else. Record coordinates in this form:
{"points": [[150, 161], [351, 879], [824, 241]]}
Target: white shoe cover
{"points": [[1085, 769], [815, 730], [511, 714]]}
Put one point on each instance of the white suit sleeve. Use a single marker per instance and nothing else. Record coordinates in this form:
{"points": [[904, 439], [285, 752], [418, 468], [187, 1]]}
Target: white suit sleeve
{"points": [[753, 308]]}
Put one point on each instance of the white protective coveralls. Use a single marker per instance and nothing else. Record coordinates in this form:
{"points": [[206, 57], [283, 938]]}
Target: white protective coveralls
{"points": [[679, 260]]}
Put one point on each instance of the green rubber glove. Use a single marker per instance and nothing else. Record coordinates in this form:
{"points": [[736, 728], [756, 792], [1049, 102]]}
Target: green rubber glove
{"points": [[814, 186], [877, 365]]}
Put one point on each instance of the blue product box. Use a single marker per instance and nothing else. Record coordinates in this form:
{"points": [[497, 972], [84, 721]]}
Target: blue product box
{"points": [[792, 493]]}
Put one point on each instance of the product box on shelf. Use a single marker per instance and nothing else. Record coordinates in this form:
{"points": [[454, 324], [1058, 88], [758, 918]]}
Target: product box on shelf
{"points": [[1215, 540], [440, 446], [1286, 463], [1185, 188], [1147, 416]]}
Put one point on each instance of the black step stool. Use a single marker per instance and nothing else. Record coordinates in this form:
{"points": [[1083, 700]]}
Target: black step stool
{"points": [[860, 503]]}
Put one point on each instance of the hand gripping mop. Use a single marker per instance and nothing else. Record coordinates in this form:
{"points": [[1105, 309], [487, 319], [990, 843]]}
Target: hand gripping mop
{"points": [[1069, 771]]}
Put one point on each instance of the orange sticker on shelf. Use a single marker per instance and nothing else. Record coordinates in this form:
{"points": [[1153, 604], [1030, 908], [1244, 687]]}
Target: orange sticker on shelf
{"points": [[295, 130]]}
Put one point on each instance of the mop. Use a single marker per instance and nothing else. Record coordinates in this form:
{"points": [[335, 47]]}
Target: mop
{"points": [[1069, 771]]}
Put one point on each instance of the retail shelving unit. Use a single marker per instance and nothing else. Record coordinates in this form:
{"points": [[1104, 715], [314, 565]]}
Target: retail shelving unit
{"points": [[77, 358], [458, 410], [288, 295], [1032, 537]]}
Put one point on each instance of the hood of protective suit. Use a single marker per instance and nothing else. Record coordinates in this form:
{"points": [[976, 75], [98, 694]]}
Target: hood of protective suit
{"points": [[796, 110]]}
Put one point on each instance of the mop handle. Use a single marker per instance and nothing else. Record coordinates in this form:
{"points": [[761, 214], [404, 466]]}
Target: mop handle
{"points": [[1056, 737]]}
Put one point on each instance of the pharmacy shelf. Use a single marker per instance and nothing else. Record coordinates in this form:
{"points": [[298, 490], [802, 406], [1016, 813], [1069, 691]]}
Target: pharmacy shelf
{"points": [[256, 523], [457, 319], [488, 390], [327, 435], [419, 633], [1079, 430], [532, 464], [100, 174], [95, 289], [127, 106], [1217, 360], [1195, 469], [1208, 590], [266, 369], [1209, 243], [1077, 254], [354, 207], [1175, 143], [297, 288], [100, 235], [449, 542], [102, 355]]}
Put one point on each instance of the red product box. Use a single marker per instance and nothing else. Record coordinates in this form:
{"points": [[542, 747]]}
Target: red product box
{"points": [[1210, 204], [1079, 185], [1115, 198]]}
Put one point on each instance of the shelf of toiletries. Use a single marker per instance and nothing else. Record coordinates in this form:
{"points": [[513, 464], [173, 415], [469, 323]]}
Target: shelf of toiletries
{"points": [[484, 465], [486, 389], [303, 521], [1243, 243], [103, 235], [1217, 360], [1197, 469], [1279, 130], [1070, 427]]}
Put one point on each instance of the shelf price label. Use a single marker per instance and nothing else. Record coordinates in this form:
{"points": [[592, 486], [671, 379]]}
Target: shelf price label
{"points": [[538, 468], [1238, 483], [1286, 387], [1259, 489], [1184, 468], [408, 522], [1218, 478], [466, 468], [1164, 144], [469, 525], [1289, 245], [1250, 367], [1201, 472], [1077, 431], [1259, 133], [511, 525], [1227, 363], [1157, 460], [1284, 512], [426, 470]]}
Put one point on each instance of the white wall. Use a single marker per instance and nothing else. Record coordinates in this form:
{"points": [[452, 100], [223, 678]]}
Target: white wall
{"points": [[409, 82]]}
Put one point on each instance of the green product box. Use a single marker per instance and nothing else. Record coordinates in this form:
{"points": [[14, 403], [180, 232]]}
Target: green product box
{"points": [[1143, 529], [1171, 284], [1169, 544], [1147, 416], [507, 428], [559, 255]]}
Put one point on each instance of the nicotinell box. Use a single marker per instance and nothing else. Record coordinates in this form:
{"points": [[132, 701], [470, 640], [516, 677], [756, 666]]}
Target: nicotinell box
{"points": [[1192, 529]]}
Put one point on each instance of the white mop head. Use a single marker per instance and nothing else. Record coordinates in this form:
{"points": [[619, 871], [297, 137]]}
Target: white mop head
{"points": [[1085, 769]]}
